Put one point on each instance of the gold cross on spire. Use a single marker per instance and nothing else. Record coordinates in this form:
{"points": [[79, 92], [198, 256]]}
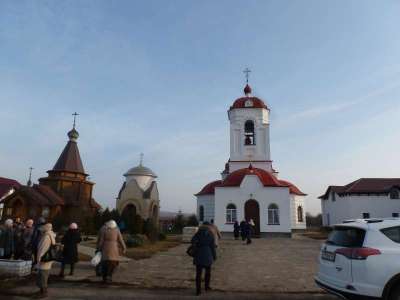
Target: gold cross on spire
{"points": [[247, 71], [75, 114]]}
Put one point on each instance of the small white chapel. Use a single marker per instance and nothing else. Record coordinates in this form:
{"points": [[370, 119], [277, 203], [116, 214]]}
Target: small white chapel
{"points": [[250, 187]]}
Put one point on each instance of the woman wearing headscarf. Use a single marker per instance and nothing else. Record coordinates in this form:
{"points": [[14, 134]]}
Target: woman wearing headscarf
{"points": [[70, 241], [110, 243], [204, 255], [47, 239]]}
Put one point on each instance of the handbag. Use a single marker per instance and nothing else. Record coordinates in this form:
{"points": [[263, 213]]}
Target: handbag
{"points": [[51, 254], [192, 250]]}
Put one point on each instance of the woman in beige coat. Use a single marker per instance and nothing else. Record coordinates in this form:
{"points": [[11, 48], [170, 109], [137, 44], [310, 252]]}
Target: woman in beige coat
{"points": [[48, 238], [110, 243]]}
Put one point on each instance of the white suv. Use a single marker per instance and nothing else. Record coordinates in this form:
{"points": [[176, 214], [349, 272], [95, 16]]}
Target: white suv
{"points": [[361, 259]]}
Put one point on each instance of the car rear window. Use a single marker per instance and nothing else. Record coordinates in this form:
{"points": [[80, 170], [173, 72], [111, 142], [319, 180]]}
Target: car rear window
{"points": [[346, 236], [392, 233]]}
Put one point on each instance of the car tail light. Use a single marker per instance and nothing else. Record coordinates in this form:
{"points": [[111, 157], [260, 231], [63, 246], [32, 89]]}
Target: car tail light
{"points": [[357, 253]]}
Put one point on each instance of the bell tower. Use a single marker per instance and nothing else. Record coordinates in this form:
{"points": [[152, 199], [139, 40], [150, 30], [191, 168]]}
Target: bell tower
{"points": [[249, 132]]}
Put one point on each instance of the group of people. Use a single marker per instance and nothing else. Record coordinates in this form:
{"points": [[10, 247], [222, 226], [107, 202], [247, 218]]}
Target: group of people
{"points": [[16, 239], [245, 229], [36, 242]]}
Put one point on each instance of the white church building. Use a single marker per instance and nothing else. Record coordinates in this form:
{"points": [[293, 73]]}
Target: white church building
{"points": [[250, 187], [361, 199]]}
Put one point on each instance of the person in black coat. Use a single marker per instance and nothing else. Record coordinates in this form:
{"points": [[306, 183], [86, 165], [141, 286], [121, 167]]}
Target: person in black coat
{"points": [[70, 241], [243, 228], [204, 255], [236, 230]]}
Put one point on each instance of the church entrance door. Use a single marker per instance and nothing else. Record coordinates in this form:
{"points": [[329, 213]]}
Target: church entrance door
{"points": [[252, 211], [129, 218]]}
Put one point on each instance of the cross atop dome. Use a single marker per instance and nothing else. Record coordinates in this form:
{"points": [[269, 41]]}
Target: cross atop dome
{"points": [[247, 71], [247, 88]]}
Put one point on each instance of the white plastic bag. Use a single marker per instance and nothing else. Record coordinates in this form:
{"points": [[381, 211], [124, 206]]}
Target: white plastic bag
{"points": [[96, 259]]}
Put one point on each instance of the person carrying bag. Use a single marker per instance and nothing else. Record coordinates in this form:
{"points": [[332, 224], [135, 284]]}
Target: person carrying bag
{"points": [[46, 255]]}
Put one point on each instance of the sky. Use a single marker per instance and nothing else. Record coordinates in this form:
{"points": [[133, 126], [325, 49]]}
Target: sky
{"points": [[159, 76]]}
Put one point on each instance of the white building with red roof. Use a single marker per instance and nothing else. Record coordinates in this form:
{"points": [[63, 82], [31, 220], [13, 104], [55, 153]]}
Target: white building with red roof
{"points": [[250, 187]]}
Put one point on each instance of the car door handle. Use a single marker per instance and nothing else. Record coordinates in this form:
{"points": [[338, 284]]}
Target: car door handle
{"points": [[339, 269]]}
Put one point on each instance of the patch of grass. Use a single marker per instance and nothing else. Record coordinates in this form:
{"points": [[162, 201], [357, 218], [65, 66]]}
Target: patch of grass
{"points": [[148, 249]]}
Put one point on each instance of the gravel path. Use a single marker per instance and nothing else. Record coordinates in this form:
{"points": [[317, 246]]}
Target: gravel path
{"points": [[280, 265]]}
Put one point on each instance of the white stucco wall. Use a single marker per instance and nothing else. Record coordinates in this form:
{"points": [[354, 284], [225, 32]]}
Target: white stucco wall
{"points": [[295, 202], [251, 187], [261, 149], [207, 201], [353, 207]]}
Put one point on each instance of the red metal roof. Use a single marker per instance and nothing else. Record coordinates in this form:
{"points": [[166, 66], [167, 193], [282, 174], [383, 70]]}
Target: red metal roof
{"points": [[364, 186], [6, 184], [292, 188], [235, 179], [241, 103], [209, 189]]}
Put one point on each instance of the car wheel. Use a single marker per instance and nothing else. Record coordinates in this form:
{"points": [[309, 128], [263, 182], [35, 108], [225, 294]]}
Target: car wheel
{"points": [[395, 293]]}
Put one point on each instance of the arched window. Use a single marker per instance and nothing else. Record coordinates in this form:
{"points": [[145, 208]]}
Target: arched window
{"points": [[231, 213], [273, 214], [201, 213], [299, 214], [249, 136]]}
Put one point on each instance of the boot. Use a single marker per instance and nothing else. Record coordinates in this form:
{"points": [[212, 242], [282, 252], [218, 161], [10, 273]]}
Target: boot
{"points": [[71, 272]]}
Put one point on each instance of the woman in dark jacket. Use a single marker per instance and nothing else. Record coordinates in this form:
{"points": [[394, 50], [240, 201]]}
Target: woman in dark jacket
{"points": [[236, 230], [70, 252], [204, 255]]}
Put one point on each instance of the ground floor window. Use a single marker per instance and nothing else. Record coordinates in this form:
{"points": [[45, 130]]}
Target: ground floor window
{"points": [[273, 214], [366, 215], [395, 215], [231, 216], [300, 214], [201, 213]]}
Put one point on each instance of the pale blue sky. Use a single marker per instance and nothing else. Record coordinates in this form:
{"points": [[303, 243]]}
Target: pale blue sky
{"points": [[158, 77]]}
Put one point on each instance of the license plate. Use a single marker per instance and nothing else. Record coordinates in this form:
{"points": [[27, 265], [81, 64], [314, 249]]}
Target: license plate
{"points": [[326, 255]]}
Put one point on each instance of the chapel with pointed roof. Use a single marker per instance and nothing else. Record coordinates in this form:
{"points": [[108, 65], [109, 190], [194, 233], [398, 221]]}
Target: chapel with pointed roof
{"points": [[65, 193], [250, 188]]}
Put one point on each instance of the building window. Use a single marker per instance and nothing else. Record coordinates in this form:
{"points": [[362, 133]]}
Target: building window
{"points": [[395, 215], [333, 196], [366, 215], [231, 213], [201, 213], [394, 193], [249, 136], [273, 214], [300, 214]]}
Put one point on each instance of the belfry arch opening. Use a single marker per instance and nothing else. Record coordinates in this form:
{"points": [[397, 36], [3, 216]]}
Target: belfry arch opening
{"points": [[249, 135]]}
